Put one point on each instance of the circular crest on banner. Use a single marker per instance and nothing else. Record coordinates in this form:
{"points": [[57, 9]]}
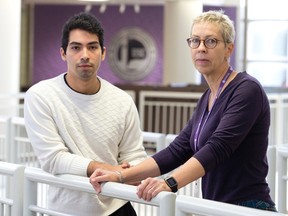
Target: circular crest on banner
{"points": [[132, 54]]}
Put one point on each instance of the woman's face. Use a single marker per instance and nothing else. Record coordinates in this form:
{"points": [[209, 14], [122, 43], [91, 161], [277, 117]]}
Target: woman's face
{"points": [[209, 61]]}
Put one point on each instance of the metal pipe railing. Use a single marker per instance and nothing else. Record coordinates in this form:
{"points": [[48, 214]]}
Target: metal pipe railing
{"points": [[157, 138], [282, 156], [186, 205], [164, 200], [12, 203]]}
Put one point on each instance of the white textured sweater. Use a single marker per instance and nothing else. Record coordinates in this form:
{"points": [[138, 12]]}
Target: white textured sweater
{"points": [[68, 130]]}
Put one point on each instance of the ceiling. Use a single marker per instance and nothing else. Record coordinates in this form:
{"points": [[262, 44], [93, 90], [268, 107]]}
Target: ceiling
{"points": [[126, 2], [118, 2]]}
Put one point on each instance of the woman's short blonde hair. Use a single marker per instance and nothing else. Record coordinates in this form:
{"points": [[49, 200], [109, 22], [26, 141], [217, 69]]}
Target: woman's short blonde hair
{"points": [[218, 17]]}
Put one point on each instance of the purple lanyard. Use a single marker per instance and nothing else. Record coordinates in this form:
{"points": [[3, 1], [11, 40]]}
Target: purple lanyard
{"points": [[199, 128]]}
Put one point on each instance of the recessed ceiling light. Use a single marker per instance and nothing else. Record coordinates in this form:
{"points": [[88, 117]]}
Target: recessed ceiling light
{"points": [[94, 0]]}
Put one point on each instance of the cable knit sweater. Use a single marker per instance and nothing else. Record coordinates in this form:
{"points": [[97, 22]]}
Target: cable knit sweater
{"points": [[68, 129]]}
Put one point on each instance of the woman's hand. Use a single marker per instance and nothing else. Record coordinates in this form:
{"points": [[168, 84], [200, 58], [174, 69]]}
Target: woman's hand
{"points": [[150, 187], [93, 165]]}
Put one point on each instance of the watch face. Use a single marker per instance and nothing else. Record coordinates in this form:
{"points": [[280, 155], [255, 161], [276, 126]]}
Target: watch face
{"points": [[171, 181]]}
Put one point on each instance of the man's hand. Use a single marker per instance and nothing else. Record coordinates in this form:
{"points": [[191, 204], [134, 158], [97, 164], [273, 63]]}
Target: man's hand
{"points": [[100, 175]]}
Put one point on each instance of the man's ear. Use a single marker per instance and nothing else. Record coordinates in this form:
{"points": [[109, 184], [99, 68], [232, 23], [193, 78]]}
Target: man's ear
{"points": [[103, 53], [62, 53]]}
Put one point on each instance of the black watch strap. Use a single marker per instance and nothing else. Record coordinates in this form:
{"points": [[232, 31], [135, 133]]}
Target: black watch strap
{"points": [[172, 183]]}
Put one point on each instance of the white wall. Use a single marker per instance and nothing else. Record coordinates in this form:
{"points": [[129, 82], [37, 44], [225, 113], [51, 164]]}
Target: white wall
{"points": [[10, 19], [178, 16]]}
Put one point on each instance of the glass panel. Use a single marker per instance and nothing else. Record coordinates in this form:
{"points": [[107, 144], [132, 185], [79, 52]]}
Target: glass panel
{"points": [[267, 40], [277, 9], [269, 74]]}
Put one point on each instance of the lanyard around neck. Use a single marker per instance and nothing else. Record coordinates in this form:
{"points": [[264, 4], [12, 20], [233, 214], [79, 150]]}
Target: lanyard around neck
{"points": [[199, 128]]}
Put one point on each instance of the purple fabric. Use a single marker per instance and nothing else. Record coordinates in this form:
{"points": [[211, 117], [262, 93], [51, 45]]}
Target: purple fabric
{"points": [[232, 145]]}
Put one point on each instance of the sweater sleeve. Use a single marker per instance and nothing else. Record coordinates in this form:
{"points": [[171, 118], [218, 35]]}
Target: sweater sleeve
{"points": [[46, 141], [239, 122], [178, 152], [131, 147]]}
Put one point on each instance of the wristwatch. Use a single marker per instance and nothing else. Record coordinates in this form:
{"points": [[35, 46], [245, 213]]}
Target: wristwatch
{"points": [[172, 183]]}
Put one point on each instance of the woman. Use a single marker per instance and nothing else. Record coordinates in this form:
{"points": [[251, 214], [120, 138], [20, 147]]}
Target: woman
{"points": [[225, 141]]}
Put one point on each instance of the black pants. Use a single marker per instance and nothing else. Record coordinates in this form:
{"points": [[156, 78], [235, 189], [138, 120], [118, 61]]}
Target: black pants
{"points": [[126, 210]]}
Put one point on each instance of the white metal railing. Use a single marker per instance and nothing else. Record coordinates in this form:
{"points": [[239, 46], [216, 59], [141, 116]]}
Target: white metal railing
{"points": [[271, 177], [15, 137], [192, 189], [164, 200], [282, 120], [132, 94], [11, 181], [18, 144], [166, 112], [12, 104], [186, 205], [4, 133], [275, 134], [282, 156], [23, 190], [169, 138], [152, 142], [158, 139]]}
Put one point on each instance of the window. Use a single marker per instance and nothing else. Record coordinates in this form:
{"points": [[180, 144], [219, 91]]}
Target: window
{"points": [[267, 42]]}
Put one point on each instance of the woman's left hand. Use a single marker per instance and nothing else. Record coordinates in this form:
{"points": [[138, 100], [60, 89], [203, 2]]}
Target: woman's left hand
{"points": [[150, 187]]}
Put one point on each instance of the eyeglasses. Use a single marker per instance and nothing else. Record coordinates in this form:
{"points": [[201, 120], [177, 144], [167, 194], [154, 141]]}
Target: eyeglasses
{"points": [[209, 43]]}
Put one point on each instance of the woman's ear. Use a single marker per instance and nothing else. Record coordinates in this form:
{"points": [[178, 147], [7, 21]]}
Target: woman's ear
{"points": [[230, 48]]}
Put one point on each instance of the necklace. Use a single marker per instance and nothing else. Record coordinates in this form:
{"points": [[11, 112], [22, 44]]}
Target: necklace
{"points": [[199, 128]]}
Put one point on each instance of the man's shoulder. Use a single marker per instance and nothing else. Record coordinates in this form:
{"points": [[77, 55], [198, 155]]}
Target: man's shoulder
{"points": [[47, 82], [45, 87], [111, 87]]}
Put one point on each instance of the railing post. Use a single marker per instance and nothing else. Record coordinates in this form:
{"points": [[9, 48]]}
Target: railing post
{"points": [[30, 196], [164, 200], [158, 138], [8, 141], [282, 178], [186, 205], [14, 186], [17, 188], [271, 177], [167, 204]]}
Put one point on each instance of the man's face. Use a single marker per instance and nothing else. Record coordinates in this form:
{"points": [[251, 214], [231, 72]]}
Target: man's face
{"points": [[83, 55]]}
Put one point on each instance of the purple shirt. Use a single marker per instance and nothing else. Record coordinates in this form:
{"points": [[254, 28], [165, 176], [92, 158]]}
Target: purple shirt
{"points": [[232, 145]]}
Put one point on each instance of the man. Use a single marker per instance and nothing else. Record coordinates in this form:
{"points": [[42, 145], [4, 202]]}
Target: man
{"points": [[78, 122]]}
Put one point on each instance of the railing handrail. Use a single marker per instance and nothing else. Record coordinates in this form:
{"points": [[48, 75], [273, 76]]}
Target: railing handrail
{"points": [[164, 200], [18, 120], [10, 168], [19, 95], [282, 158], [14, 187], [283, 150], [158, 138], [186, 205], [171, 94]]}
